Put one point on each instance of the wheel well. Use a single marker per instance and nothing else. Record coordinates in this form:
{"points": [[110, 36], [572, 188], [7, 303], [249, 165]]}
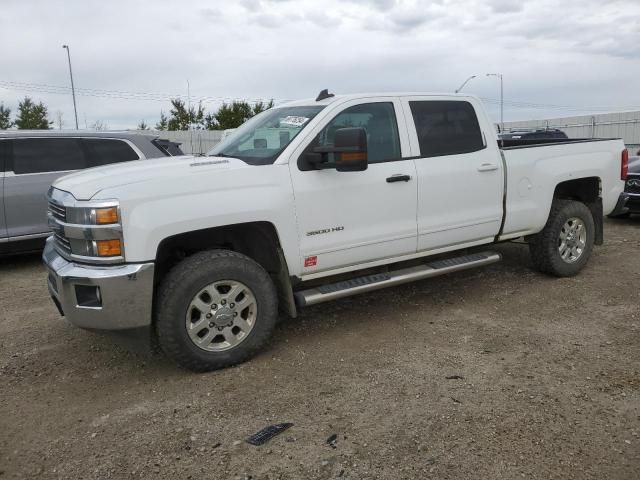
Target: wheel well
{"points": [[585, 190], [257, 240]]}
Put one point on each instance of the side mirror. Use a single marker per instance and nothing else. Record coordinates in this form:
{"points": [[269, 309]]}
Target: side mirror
{"points": [[349, 150], [350, 147]]}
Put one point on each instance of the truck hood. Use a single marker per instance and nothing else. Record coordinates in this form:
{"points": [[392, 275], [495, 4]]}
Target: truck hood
{"points": [[88, 183]]}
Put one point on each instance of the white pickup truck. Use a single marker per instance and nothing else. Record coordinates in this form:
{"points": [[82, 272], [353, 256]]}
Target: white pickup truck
{"points": [[311, 201]]}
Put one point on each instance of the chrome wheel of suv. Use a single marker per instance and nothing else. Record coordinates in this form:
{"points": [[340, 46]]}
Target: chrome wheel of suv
{"points": [[221, 315]]}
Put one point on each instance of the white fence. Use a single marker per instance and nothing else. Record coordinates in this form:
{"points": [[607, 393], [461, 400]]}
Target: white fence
{"points": [[197, 142], [625, 125]]}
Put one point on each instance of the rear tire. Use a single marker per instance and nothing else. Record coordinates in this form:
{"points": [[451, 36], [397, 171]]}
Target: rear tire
{"points": [[215, 309], [564, 246]]}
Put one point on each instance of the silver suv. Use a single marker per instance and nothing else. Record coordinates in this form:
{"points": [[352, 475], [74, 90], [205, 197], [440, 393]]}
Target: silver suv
{"points": [[31, 160]]}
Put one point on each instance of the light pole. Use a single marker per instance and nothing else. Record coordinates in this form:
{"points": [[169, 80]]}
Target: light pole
{"points": [[499, 75], [73, 90], [464, 83]]}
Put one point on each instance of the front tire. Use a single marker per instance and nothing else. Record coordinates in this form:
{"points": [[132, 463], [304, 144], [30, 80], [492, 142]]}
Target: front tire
{"points": [[215, 309], [564, 246]]}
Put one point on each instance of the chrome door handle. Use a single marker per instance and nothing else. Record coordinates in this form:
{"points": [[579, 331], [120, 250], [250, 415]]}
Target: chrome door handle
{"points": [[398, 177], [487, 167]]}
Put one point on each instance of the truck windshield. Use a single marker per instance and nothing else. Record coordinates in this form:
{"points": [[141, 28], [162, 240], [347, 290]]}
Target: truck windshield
{"points": [[260, 140]]}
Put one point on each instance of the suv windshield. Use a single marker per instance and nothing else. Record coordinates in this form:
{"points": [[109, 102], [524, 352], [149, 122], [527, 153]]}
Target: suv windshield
{"points": [[260, 140]]}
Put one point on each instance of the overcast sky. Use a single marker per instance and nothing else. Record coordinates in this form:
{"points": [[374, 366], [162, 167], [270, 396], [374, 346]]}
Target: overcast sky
{"points": [[558, 58]]}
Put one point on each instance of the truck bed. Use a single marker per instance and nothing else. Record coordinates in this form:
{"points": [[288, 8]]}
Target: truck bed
{"points": [[535, 167], [512, 144]]}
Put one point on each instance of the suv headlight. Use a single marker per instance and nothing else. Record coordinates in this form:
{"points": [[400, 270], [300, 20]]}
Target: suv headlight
{"points": [[86, 230]]}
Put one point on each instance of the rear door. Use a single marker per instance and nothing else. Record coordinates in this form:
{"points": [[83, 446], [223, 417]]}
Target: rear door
{"points": [[34, 164], [4, 154], [460, 176]]}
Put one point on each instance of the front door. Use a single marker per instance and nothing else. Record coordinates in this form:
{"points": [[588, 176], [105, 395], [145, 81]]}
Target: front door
{"points": [[352, 218], [460, 175]]}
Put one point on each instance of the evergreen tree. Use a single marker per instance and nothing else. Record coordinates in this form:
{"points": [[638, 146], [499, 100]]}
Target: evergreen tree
{"points": [[227, 116], [32, 116], [182, 118], [260, 106], [5, 117], [163, 124], [230, 115]]}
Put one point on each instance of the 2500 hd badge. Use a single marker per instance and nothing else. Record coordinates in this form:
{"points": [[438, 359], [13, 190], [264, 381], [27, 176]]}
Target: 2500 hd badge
{"points": [[324, 230]]}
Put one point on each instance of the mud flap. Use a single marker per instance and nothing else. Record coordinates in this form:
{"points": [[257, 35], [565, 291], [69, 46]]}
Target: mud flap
{"points": [[285, 290], [596, 213]]}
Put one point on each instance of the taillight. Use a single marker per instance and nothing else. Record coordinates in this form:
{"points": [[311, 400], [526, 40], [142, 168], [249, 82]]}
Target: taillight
{"points": [[624, 164]]}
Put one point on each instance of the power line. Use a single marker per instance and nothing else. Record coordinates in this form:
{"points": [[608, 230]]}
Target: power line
{"points": [[118, 94], [165, 97]]}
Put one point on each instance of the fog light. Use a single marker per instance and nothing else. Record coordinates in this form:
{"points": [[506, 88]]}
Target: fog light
{"points": [[88, 296], [108, 248]]}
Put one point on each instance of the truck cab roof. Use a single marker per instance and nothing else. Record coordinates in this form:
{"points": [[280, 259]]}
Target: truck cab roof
{"points": [[361, 96]]}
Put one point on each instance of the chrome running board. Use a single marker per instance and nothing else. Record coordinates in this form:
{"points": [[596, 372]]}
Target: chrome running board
{"points": [[368, 283]]}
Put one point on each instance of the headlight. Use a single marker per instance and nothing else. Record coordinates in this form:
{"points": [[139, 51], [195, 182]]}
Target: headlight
{"points": [[92, 216], [85, 230]]}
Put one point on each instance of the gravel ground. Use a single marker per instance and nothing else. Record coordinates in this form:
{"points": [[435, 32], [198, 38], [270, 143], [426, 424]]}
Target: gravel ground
{"points": [[546, 384]]}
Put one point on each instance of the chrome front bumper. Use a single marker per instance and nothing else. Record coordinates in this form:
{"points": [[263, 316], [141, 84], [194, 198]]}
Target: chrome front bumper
{"points": [[114, 297]]}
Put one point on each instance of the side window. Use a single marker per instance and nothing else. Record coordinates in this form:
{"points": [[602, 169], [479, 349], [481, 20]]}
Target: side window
{"points": [[103, 151], [446, 127], [37, 155], [379, 121], [5, 151]]}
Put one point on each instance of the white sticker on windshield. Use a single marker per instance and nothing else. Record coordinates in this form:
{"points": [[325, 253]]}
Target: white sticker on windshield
{"points": [[293, 121]]}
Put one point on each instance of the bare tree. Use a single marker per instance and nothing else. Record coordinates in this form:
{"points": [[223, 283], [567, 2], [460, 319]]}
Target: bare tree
{"points": [[99, 125], [59, 120]]}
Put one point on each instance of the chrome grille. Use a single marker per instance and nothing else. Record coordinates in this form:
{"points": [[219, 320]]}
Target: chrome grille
{"points": [[62, 242], [58, 211]]}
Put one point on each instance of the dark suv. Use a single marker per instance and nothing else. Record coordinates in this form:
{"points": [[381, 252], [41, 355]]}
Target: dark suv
{"points": [[630, 199], [31, 160]]}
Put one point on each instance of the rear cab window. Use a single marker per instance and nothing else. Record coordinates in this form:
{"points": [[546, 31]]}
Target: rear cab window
{"points": [[446, 127]]}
